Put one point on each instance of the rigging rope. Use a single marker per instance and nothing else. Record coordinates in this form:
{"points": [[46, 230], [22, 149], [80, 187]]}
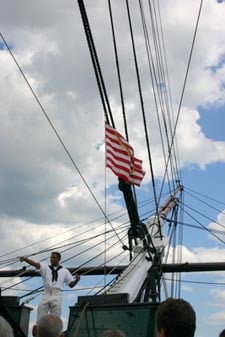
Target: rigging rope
{"points": [[142, 105], [185, 80], [162, 81], [156, 83], [181, 99], [169, 99], [96, 64], [118, 71], [57, 134], [114, 216], [107, 106], [208, 230]]}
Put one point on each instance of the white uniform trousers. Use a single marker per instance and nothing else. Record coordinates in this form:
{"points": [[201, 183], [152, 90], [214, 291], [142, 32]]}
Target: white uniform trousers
{"points": [[50, 303]]}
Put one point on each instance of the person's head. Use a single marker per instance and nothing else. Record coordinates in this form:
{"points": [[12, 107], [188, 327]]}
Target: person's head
{"points": [[55, 258], [114, 333], [48, 326], [222, 333], [175, 318], [5, 328]]}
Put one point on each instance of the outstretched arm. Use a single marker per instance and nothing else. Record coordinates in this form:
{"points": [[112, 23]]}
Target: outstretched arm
{"points": [[31, 262], [73, 283]]}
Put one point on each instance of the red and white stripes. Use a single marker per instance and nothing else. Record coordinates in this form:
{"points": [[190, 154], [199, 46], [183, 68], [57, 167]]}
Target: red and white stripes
{"points": [[120, 157]]}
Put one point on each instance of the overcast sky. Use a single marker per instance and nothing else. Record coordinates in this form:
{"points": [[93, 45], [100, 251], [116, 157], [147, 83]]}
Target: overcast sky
{"points": [[41, 192]]}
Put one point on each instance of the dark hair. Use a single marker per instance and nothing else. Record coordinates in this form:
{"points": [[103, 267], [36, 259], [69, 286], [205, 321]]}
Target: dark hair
{"points": [[58, 254], [114, 333], [222, 333], [176, 317], [5, 328]]}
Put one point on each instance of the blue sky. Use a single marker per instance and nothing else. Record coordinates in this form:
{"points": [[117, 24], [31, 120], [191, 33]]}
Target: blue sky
{"points": [[212, 123], [40, 191]]}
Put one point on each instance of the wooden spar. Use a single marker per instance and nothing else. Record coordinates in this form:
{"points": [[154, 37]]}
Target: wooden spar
{"points": [[82, 271], [166, 268], [169, 204]]}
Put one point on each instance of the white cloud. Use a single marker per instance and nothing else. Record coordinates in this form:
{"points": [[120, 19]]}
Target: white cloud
{"points": [[219, 295], [218, 316], [186, 288], [41, 192], [218, 227]]}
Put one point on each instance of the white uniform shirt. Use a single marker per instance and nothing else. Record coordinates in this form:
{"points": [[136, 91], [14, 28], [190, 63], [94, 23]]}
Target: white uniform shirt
{"points": [[63, 276]]}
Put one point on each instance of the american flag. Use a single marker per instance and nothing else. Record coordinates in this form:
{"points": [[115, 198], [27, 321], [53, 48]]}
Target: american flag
{"points": [[120, 157]]}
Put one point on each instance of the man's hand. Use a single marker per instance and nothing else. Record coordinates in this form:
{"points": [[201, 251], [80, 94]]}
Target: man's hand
{"points": [[73, 283], [22, 258], [77, 277], [31, 262]]}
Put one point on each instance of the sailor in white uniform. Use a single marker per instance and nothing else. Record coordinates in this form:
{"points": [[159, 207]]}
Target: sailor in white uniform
{"points": [[54, 276]]}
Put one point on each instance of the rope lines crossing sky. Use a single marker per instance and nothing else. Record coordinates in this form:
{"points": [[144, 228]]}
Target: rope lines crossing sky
{"points": [[88, 244]]}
